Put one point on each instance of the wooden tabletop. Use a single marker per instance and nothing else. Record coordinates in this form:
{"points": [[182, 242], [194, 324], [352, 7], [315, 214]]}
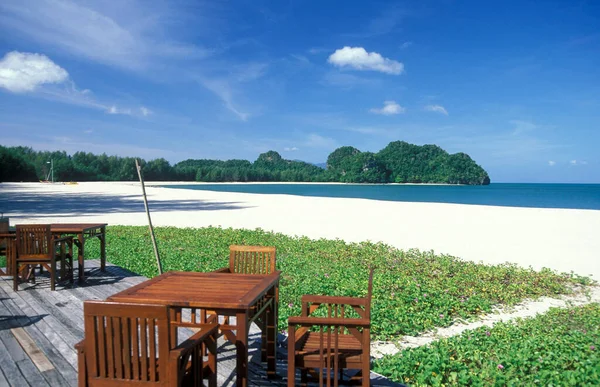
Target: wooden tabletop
{"points": [[75, 227], [200, 290]]}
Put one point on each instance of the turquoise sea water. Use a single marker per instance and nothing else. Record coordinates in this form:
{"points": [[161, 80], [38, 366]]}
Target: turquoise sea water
{"points": [[576, 196]]}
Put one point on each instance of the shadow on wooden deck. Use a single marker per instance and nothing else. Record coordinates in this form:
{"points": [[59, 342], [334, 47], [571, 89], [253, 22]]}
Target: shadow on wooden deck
{"points": [[39, 328]]}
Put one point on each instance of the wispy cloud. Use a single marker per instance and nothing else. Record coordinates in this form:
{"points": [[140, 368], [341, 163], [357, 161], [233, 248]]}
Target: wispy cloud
{"points": [[318, 50], [436, 109], [358, 58], [406, 45], [317, 141], [227, 87], [385, 23], [22, 72], [124, 34], [389, 108], [551, 163], [578, 162], [290, 149], [523, 126], [348, 81]]}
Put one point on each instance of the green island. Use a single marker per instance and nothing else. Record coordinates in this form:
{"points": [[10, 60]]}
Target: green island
{"points": [[398, 162], [414, 292]]}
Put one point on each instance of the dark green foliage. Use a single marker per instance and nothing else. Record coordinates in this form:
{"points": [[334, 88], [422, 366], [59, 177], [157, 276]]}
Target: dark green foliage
{"points": [[559, 348], [340, 157], [413, 291], [14, 167], [408, 163], [399, 162]]}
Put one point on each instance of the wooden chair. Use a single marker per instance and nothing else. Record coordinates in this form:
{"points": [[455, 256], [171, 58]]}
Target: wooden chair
{"points": [[250, 260], [34, 245], [130, 344], [7, 250], [247, 260], [322, 347]]}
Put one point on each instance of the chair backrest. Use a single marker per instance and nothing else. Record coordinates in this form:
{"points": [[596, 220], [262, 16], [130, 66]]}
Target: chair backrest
{"points": [[34, 241], [251, 259], [126, 342]]}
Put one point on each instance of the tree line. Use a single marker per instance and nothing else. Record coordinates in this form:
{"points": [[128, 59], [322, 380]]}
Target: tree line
{"points": [[398, 162]]}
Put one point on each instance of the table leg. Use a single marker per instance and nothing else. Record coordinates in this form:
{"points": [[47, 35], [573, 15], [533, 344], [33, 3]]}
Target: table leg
{"points": [[103, 250], [271, 336], [80, 255], [241, 344]]}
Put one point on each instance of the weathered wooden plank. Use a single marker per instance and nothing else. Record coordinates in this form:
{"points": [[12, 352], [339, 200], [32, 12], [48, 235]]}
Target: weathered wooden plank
{"points": [[9, 368], [31, 373], [49, 341], [38, 357], [58, 336], [3, 380]]}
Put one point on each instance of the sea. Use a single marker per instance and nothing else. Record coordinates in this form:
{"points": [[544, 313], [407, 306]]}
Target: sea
{"points": [[571, 196]]}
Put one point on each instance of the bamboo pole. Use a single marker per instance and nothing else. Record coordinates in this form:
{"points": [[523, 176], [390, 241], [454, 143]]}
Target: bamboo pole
{"points": [[139, 171]]}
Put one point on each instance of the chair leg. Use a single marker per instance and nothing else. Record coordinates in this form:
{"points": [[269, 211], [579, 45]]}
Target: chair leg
{"points": [[16, 278], [53, 274]]}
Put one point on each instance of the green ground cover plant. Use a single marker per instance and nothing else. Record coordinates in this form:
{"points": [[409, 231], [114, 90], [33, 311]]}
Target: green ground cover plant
{"points": [[414, 291], [559, 348]]}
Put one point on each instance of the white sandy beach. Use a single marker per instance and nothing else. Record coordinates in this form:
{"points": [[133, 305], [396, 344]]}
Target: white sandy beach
{"points": [[564, 240]]}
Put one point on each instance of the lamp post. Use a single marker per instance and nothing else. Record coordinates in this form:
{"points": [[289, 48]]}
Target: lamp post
{"points": [[51, 162]]}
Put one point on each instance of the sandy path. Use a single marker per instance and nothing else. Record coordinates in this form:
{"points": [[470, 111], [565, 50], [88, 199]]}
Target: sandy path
{"points": [[564, 240]]}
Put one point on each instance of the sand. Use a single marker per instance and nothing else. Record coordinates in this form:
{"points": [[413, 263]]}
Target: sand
{"points": [[563, 240]]}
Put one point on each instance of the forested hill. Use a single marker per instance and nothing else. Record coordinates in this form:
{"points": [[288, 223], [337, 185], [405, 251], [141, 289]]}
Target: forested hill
{"points": [[399, 162]]}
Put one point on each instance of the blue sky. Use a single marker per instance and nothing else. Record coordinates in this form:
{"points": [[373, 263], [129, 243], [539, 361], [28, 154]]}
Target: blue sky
{"points": [[515, 84]]}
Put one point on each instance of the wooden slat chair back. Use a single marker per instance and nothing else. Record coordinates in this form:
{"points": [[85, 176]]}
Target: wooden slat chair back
{"points": [[251, 259], [35, 245], [331, 335], [7, 249], [129, 344]]}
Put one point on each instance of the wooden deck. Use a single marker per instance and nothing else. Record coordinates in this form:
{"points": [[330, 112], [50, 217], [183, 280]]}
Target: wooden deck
{"points": [[38, 329]]}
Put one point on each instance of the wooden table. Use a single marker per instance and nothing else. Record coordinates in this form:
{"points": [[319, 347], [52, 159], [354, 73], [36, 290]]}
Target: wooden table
{"points": [[248, 297], [83, 232]]}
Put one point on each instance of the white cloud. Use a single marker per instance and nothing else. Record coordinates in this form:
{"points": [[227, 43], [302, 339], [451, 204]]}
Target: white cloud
{"points": [[573, 162], [22, 72], [290, 149], [116, 110], [359, 59], [389, 108], [406, 45], [436, 109], [551, 163]]}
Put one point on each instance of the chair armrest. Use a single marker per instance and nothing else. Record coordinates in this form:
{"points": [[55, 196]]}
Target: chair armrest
{"points": [[194, 340], [80, 346], [327, 321], [222, 270], [313, 299]]}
